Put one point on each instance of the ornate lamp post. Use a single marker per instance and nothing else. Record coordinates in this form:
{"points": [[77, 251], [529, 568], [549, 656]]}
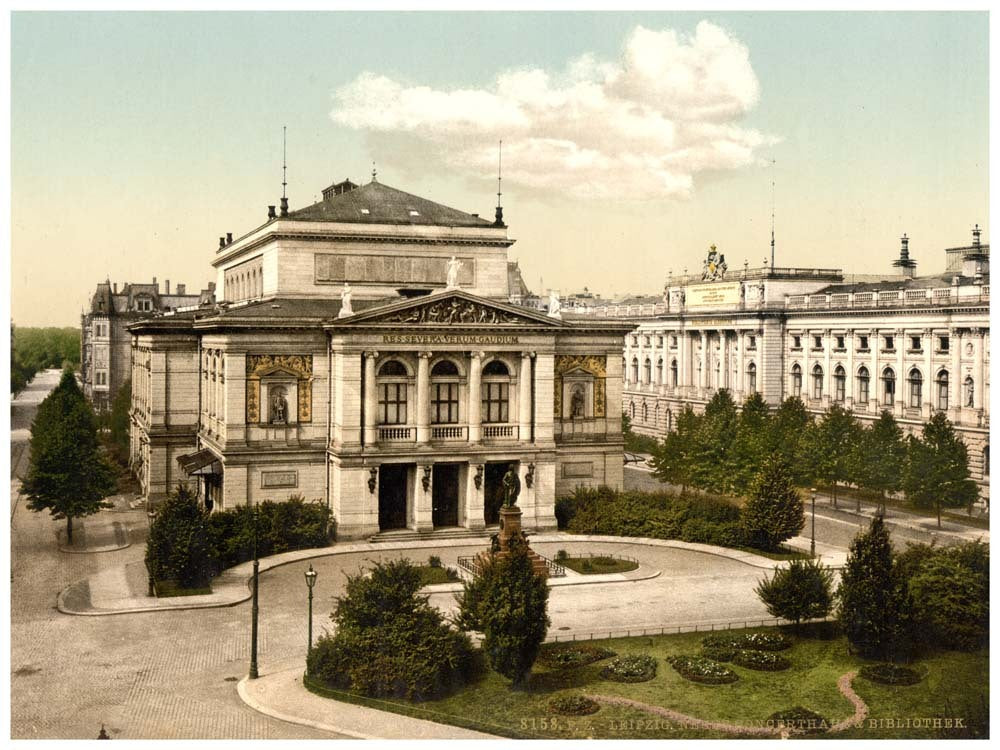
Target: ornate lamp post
{"points": [[253, 611], [812, 537], [311, 576]]}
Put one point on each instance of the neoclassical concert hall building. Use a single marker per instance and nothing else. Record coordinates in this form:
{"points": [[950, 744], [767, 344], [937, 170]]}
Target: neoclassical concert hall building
{"points": [[363, 354]]}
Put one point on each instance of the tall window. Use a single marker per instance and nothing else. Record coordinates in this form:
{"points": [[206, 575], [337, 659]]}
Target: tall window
{"points": [[839, 384], [796, 381], [659, 372], [888, 386], [647, 369], [444, 392], [631, 410], [392, 386], [942, 390], [751, 378], [986, 461], [673, 373], [817, 374], [496, 392], [916, 388], [635, 370], [864, 378], [645, 412]]}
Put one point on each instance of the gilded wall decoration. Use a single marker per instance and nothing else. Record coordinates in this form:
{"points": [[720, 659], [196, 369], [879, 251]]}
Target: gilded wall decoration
{"points": [[451, 311], [590, 363], [260, 365]]}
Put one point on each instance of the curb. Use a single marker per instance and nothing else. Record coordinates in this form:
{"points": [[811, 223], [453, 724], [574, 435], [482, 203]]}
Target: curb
{"points": [[251, 702]]}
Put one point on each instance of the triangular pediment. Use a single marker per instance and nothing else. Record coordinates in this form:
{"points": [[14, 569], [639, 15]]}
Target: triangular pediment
{"points": [[449, 308]]}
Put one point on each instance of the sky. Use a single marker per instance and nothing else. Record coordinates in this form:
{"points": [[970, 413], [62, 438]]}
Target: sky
{"points": [[631, 141]]}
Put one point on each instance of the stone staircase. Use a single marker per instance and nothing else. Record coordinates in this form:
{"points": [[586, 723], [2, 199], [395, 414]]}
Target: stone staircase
{"points": [[409, 535]]}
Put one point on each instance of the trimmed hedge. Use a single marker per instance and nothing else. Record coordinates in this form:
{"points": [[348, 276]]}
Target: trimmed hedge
{"points": [[801, 720], [630, 668], [570, 657], [772, 640], [573, 705], [890, 674], [762, 661], [700, 669]]}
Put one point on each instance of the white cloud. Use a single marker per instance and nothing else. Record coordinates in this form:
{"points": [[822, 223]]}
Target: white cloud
{"points": [[638, 129]]}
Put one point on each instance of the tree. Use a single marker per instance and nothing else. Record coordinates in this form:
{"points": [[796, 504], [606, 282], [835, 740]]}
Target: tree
{"points": [[786, 428], [120, 422], [872, 603], [951, 603], [713, 439], [937, 468], [879, 458], [508, 603], [773, 511], [67, 474], [838, 433], [750, 444], [179, 548], [673, 459], [802, 591]]}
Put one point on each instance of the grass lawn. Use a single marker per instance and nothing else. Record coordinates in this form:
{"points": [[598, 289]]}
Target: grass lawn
{"points": [[597, 564], [952, 687], [435, 574]]}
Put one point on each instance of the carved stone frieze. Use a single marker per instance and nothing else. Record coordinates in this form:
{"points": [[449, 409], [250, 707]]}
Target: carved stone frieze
{"points": [[451, 311]]}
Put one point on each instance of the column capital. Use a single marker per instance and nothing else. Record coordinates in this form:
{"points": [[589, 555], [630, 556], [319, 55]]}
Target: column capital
{"points": [[477, 355], [372, 354], [528, 355], [425, 355]]}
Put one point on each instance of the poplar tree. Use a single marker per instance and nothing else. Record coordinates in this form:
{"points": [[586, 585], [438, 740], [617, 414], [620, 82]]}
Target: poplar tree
{"points": [[773, 512]]}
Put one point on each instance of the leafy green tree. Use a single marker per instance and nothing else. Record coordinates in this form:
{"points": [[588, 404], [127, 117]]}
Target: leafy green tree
{"points": [[786, 428], [713, 441], [802, 591], [67, 474], [839, 432], [872, 603], [937, 468], [773, 512], [751, 443], [508, 603], [179, 547], [879, 458], [673, 460], [119, 422], [951, 603]]}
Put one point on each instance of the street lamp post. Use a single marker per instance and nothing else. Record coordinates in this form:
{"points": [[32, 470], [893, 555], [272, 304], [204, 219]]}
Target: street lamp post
{"points": [[253, 611], [812, 537], [310, 582]]}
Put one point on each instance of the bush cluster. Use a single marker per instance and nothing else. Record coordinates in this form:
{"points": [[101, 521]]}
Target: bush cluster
{"points": [[762, 661], [178, 548], [390, 642], [656, 515], [630, 668], [570, 657], [761, 640], [700, 669], [801, 720], [573, 705], [890, 674]]}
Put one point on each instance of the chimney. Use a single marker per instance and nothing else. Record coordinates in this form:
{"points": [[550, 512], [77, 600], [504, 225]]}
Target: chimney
{"points": [[976, 232], [270, 213], [167, 282], [211, 286], [284, 206], [114, 288], [229, 238], [222, 242], [906, 265], [181, 288], [155, 285]]}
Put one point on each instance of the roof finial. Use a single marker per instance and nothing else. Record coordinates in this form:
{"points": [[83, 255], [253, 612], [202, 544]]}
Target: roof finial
{"points": [[284, 169], [772, 213], [499, 212], [374, 172], [976, 233]]}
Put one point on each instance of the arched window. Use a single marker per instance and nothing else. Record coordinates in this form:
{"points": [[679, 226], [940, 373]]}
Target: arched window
{"points": [[942, 390], [888, 386], [673, 373], [916, 388], [656, 414], [631, 410], [647, 371], [645, 412], [392, 385], [496, 392], [817, 374], [839, 384], [659, 372], [864, 380], [797, 381], [635, 369], [444, 392], [751, 378]]}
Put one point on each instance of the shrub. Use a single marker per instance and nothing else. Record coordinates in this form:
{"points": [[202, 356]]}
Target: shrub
{"points": [[562, 555], [434, 561], [391, 642], [802, 591], [801, 720], [570, 657], [630, 668], [773, 512], [700, 669], [177, 548], [573, 705], [890, 674], [762, 661], [761, 640]]}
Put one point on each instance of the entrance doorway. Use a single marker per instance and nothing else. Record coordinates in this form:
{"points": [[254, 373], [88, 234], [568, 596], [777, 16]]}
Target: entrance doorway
{"points": [[444, 496], [392, 481], [493, 490]]}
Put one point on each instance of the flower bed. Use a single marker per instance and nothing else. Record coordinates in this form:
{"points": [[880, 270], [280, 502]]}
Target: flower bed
{"points": [[700, 669], [762, 661], [801, 720], [573, 705], [891, 674], [570, 657], [630, 668], [759, 641]]}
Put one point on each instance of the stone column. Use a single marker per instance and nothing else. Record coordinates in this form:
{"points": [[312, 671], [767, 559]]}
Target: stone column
{"points": [[955, 376], [741, 364], [475, 398], [723, 359], [827, 374], [682, 361], [703, 380], [978, 370], [524, 398], [899, 340], [371, 401], [849, 390], [423, 397], [930, 385], [875, 381]]}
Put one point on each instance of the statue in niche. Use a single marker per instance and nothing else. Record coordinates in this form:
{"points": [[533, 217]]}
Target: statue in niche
{"points": [[970, 393], [454, 265], [511, 487], [279, 406], [577, 403], [345, 302]]}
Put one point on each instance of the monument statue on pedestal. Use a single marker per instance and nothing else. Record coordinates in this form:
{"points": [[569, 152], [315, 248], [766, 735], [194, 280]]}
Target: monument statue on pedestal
{"points": [[511, 488]]}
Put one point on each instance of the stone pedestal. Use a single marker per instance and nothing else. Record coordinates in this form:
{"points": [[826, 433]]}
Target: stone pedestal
{"points": [[510, 525]]}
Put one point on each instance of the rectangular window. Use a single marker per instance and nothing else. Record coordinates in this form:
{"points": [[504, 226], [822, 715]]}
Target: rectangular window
{"points": [[102, 378], [752, 342], [863, 390], [392, 403], [817, 386], [817, 342], [943, 343], [889, 343], [840, 342], [495, 402], [796, 342], [444, 404], [890, 391], [673, 341], [915, 342], [862, 342]]}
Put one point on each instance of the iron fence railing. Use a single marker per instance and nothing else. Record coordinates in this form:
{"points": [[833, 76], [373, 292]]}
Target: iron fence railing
{"points": [[672, 629]]}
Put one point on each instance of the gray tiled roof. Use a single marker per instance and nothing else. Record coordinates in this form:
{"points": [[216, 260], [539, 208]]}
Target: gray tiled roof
{"points": [[919, 282], [385, 205]]}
